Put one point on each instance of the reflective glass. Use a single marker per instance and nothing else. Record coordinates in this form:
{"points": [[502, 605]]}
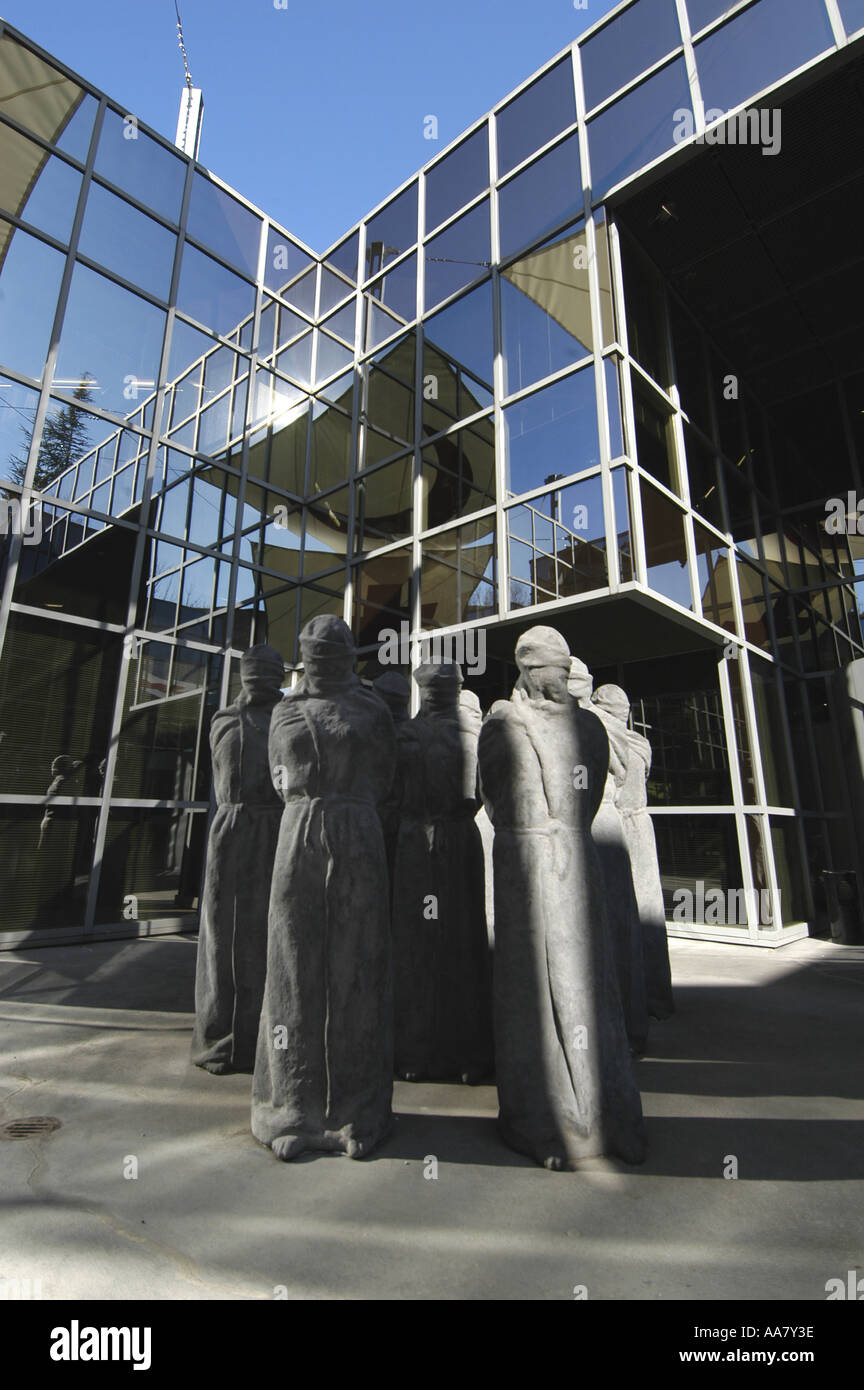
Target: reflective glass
{"points": [[534, 117], [458, 472], [127, 241], [391, 231], [223, 225], [211, 294], [114, 337], [76, 134], [383, 500], [776, 767], [154, 857], [458, 580], [853, 15], [758, 47], [344, 256], [269, 618], [458, 255], [30, 275], [389, 406], [699, 853], [665, 553], [690, 371], [379, 324], [332, 356], [457, 178], [545, 312], [284, 261], [612, 368], [273, 397], [704, 12], [17, 414], [754, 605], [36, 186], [326, 539], [301, 294], [332, 291], [342, 322], [57, 687], [705, 496], [280, 457], [638, 128], [457, 358], [382, 595], [33, 92], [715, 579], [637, 39], [789, 869], [139, 165], [45, 866], [331, 446], [654, 436], [397, 290], [558, 545], [553, 432], [296, 360], [546, 193], [622, 479]]}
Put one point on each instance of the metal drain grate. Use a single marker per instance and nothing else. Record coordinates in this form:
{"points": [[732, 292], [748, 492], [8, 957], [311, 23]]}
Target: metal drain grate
{"points": [[32, 1127]]}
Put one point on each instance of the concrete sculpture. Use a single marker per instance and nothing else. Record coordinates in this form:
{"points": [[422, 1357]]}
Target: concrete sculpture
{"points": [[324, 1065], [442, 968], [565, 1081], [232, 940], [632, 800]]}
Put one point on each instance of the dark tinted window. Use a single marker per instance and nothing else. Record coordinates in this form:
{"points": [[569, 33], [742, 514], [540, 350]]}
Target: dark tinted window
{"points": [[139, 165], [546, 193], [637, 128], [219, 222], [458, 255], [535, 116], [391, 231], [759, 47], [457, 178], [638, 38]]}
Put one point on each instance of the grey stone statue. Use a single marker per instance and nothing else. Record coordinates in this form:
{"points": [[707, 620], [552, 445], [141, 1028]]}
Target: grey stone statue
{"points": [[632, 800], [608, 830], [395, 691], [232, 940], [324, 1065], [563, 1067], [441, 962]]}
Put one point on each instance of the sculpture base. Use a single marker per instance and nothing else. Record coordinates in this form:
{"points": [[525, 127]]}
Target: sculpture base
{"points": [[560, 1154], [345, 1140]]}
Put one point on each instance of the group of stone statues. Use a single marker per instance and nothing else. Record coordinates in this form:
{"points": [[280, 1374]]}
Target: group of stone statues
{"points": [[343, 922]]}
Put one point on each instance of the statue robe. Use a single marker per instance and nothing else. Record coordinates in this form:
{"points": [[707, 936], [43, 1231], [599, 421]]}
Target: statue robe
{"points": [[641, 842], [324, 1065], [441, 960], [232, 939], [565, 1082]]}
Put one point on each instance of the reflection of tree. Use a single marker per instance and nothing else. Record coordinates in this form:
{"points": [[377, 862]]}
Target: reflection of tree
{"points": [[65, 437]]}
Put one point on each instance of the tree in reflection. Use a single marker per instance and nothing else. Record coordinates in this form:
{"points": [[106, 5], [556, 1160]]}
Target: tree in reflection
{"points": [[65, 438]]}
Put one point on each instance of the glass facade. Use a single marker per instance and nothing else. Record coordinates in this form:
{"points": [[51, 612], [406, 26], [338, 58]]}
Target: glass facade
{"points": [[485, 406]]}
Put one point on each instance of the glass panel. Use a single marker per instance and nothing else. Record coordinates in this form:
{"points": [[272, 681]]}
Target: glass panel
{"points": [[644, 301], [280, 457], [332, 357], [111, 337], [379, 325], [655, 447], [700, 855], [690, 760], [458, 581], [665, 554], [754, 605], [45, 865], [296, 360], [76, 134], [23, 76], [457, 359], [57, 689], [612, 368], [326, 538], [271, 618], [702, 472], [458, 255], [545, 312], [715, 579], [30, 276], [853, 15], [789, 868], [457, 178], [458, 474], [17, 414], [344, 257], [637, 39], [758, 47], [772, 740], [153, 858], [638, 128], [223, 225], [331, 446], [549, 191], [391, 231], [552, 433], [139, 165], [690, 374], [127, 242], [704, 12], [211, 294], [565, 545], [389, 407], [535, 116], [382, 595], [397, 290], [284, 262], [332, 291], [622, 528], [37, 186]]}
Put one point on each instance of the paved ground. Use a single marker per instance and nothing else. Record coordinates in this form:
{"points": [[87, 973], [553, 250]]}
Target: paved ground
{"points": [[763, 1062]]}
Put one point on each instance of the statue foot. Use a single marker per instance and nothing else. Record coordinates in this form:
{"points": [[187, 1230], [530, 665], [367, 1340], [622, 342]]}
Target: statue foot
{"points": [[555, 1163], [288, 1146], [216, 1068], [410, 1076], [355, 1148]]}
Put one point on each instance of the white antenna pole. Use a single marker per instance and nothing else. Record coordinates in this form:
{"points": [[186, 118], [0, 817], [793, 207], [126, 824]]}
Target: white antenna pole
{"points": [[188, 137]]}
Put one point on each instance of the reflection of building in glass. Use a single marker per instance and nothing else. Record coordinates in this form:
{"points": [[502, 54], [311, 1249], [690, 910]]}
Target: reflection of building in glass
{"points": [[585, 368]]}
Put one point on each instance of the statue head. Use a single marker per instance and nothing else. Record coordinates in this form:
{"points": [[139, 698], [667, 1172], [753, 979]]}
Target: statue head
{"points": [[580, 681], [395, 691], [327, 648], [543, 658], [469, 700], [262, 672], [440, 683], [612, 700]]}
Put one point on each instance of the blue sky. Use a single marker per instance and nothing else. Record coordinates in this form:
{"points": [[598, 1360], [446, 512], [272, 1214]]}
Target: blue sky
{"points": [[314, 112]]}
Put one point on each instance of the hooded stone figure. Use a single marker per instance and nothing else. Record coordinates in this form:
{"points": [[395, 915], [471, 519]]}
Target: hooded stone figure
{"points": [[441, 963], [232, 939], [632, 800], [324, 1065], [608, 830], [395, 691], [563, 1068]]}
